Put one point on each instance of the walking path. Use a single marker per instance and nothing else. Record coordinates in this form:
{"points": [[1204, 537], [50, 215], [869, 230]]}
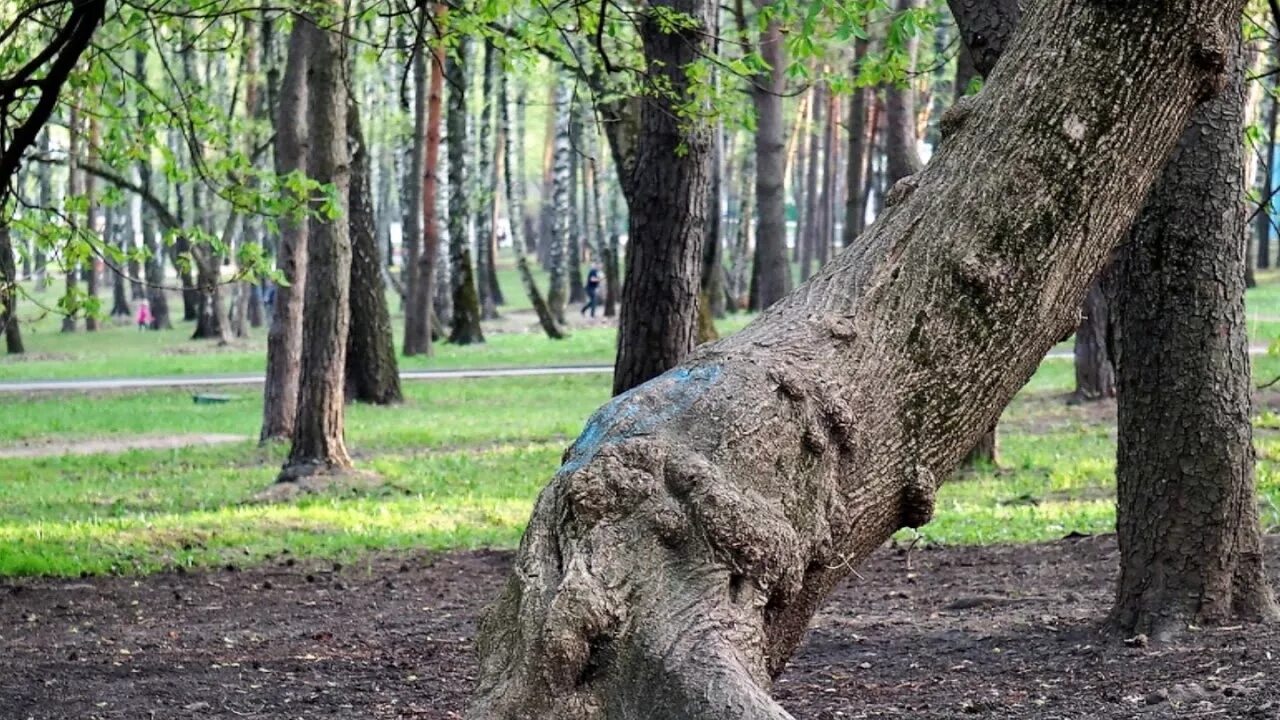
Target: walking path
{"points": [[125, 383]]}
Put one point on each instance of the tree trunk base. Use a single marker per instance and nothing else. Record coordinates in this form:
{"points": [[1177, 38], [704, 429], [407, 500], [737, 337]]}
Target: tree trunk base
{"points": [[285, 489]]}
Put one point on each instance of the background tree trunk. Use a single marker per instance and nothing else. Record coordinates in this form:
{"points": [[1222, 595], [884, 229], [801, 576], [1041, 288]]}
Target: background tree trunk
{"points": [[9, 294], [672, 565], [417, 331], [74, 189], [93, 210], [658, 326], [1265, 215], [371, 370], [771, 270], [808, 239], [284, 339], [465, 326], [1094, 346], [901, 153], [558, 249], [318, 444], [486, 170], [1186, 510]]}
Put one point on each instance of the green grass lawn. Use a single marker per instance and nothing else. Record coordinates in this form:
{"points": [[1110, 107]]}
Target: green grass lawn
{"points": [[460, 465]]}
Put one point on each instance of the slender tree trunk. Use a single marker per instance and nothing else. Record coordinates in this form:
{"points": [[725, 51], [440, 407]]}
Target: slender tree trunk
{"points": [[1094, 347], [9, 294], [74, 189], [371, 370], [1187, 513], [511, 146], [771, 272], [830, 182], [900, 113], [93, 211], [808, 240], [465, 326], [670, 185], [712, 300], [284, 339], [44, 181], [558, 247], [118, 236], [318, 445], [1266, 216], [612, 258], [488, 193], [672, 565], [577, 294], [743, 279], [153, 267]]}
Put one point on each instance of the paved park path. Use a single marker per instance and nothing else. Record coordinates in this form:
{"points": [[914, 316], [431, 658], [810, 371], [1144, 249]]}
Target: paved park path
{"points": [[186, 381]]}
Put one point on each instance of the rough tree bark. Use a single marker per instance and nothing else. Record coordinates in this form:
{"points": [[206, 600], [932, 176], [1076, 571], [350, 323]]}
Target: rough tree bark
{"points": [[673, 563], [284, 339], [808, 240], [860, 131], [658, 325], [318, 445], [371, 370], [771, 271], [515, 200], [1094, 344], [1187, 515], [465, 324]]}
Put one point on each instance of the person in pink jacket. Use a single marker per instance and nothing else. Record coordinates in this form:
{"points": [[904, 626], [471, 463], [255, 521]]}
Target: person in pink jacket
{"points": [[144, 315]]}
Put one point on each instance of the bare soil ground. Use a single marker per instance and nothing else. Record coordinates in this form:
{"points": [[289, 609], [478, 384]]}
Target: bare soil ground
{"points": [[52, 447], [997, 632]]}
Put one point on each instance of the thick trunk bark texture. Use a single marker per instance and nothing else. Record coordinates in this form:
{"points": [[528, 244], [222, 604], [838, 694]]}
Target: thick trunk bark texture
{"points": [[372, 373], [771, 271], [1187, 514], [318, 444], [658, 326], [284, 339], [673, 563]]}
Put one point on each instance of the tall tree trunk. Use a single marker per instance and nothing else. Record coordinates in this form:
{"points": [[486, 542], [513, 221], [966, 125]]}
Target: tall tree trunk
{"points": [[1186, 511], [153, 267], [713, 275], [486, 170], [371, 370], [44, 181], [658, 326], [577, 293], [558, 247], [465, 326], [673, 563], [118, 237], [808, 240], [92, 213], [9, 292], [612, 256], [830, 182], [741, 275], [900, 113], [1266, 216], [511, 146], [771, 271], [1094, 346], [318, 444], [74, 189], [284, 338]]}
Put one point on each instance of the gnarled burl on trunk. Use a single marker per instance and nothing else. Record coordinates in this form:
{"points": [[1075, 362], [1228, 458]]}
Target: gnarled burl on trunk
{"points": [[673, 563]]}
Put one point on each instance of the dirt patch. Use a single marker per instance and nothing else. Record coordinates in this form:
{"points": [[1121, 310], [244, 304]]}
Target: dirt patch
{"points": [[98, 446], [1002, 632]]}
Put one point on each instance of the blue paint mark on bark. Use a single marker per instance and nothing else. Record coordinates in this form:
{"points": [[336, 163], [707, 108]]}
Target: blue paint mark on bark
{"points": [[640, 410]]}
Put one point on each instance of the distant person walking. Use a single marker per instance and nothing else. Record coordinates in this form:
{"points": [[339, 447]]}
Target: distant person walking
{"points": [[144, 315], [593, 289]]}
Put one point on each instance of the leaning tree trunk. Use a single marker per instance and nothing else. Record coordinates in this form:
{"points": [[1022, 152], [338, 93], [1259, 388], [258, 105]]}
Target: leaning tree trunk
{"points": [[515, 201], [465, 325], [658, 326], [371, 370], [9, 292], [1094, 344], [318, 445], [673, 563], [771, 271], [1186, 509], [284, 338]]}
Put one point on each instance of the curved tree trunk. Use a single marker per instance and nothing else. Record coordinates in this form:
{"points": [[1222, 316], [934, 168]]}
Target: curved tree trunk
{"points": [[1187, 514], [658, 326], [515, 200], [284, 338], [318, 445], [673, 563], [771, 271], [465, 322], [371, 370]]}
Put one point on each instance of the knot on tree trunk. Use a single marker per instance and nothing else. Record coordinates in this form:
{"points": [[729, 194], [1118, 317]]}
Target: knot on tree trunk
{"points": [[1211, 54]]}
